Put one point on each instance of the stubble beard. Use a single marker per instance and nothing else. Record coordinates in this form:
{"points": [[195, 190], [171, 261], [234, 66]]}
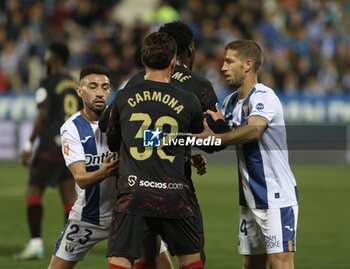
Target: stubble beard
{"points": [[97, 110]]}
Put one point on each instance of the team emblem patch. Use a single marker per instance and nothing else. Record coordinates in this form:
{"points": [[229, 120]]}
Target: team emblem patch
{"points": [[259, 106], [69, 248], [245, 111]]}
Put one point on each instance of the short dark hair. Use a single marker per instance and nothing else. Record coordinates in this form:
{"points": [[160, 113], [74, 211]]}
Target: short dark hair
{"points": [[182, 34], [94, 69], [60, 50], [157, 50], [247, 49]]}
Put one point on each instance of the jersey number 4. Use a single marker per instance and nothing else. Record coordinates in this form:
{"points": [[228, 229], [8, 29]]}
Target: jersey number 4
{"points": [[146, 123]]}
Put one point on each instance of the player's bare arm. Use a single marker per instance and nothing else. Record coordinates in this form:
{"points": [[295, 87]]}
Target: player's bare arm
{"points": [[244, 134], [38, 125], [87, 179], [241, 135]]}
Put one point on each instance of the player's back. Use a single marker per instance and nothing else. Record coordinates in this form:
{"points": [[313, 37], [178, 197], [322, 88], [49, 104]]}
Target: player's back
{"points": [[189, 81], [57, 93], [156, 173]]}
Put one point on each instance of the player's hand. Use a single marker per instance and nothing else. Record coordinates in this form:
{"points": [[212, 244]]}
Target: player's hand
{"points": [[25, 157], [110, 166], [200, 163], [207, 132], [216, 115]]}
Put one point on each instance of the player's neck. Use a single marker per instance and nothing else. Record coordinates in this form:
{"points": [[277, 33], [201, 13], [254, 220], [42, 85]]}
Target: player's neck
{"points": [[57, 69], [89, 115], [158, 75], [246, 88]]}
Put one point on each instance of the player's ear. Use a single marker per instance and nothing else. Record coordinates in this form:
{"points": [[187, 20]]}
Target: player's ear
{"points": [[248, 65], [173, 63], [79, 91], [190, 51]]}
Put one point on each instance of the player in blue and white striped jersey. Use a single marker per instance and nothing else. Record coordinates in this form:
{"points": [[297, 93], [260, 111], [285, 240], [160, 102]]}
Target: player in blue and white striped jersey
{"points": [[94, 169], [267, 188]]}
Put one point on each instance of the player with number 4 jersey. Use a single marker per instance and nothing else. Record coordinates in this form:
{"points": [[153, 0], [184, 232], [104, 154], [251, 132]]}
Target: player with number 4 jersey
{"points": [[268, 195]]}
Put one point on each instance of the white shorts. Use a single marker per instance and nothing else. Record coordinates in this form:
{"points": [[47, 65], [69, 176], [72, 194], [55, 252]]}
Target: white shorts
{"points": [[267, 231], [78, 237]]}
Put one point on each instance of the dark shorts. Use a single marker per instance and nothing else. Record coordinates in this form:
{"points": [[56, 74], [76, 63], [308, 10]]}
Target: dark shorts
{"points": [[197, 213], [43, 173], [129, 231]]}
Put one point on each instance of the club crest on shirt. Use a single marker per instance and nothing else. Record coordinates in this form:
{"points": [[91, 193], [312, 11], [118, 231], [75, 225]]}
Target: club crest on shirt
{"points": [[69, 248], [245, 111], [66, 150], [65, 147]]}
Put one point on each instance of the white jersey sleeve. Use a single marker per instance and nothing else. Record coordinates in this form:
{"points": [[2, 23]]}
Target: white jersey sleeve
{"points": [[72, 148], [265, 104]]}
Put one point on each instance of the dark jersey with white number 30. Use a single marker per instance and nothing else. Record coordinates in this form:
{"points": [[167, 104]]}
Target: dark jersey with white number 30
{"points": [[152, 179]]}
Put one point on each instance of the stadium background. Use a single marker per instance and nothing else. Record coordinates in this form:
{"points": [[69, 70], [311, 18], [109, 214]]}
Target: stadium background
{"points": [[306, 47]]}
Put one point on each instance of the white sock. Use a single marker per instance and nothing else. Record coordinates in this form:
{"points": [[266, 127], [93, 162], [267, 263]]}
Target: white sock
{"points": [[36, 242]]}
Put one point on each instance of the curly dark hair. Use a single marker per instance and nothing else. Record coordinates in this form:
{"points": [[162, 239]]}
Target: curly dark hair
{"points": [[60, 50], [181, 32]]}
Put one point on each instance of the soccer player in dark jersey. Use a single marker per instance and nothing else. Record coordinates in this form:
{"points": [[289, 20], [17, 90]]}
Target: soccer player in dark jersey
{"points": [[184, 78], [153, 191], [56, 100]]}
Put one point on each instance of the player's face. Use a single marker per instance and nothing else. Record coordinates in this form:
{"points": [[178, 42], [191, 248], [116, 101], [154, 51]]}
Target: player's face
{"points": [[94, 90], [233, 68]]}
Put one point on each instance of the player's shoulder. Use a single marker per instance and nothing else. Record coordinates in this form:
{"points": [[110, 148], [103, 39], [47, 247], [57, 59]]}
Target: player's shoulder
{"points": [[61, 76], [262, 90], [69, 124], [139, 76], [264, 93], [135, 79], [129, 89], [200, 79], [132, 91], [186, 74], [182, 93]]}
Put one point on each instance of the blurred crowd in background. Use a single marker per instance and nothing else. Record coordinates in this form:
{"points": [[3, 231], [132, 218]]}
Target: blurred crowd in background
{"points": [[306, 43]]}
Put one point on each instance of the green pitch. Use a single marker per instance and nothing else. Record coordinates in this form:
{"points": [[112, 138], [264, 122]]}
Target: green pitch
{"points": [[323, 230]]}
